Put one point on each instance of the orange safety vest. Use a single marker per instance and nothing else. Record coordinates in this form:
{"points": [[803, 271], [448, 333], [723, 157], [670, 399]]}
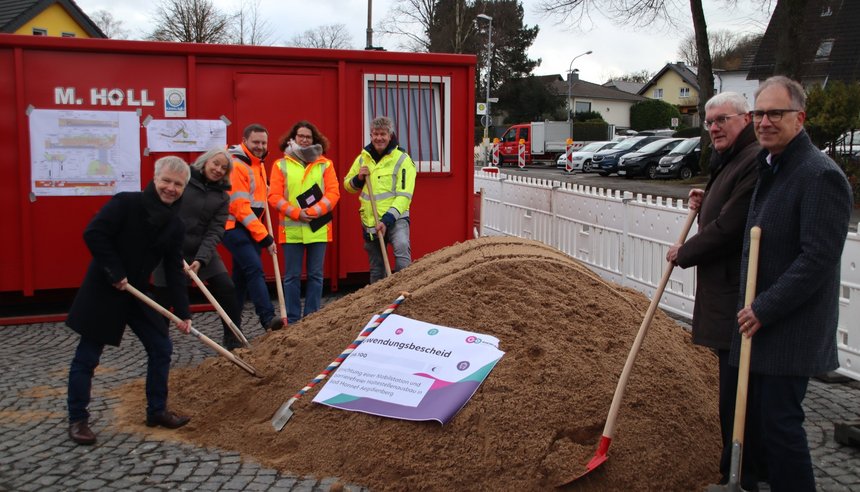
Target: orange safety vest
{"points": [[291, 178], [249, 189]]}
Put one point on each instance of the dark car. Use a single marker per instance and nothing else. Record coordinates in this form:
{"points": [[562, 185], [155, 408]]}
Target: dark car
{"points": [[683, 161], [644, 161], [605, 162]]}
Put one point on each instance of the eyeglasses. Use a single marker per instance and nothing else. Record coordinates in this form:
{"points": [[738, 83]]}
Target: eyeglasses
{"points": [[773, 115], [304, 137], [720, 121]]}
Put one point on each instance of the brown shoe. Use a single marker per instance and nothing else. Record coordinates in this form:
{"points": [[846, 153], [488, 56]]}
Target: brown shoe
{"points": [[167, 419], [81, 433]]}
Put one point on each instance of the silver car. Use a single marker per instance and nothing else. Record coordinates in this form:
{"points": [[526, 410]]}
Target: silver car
{"points": [[581, 159]]}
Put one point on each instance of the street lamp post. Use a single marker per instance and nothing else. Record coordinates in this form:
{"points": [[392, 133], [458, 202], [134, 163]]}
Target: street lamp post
{"points": [[486, 119], [569, 77]]}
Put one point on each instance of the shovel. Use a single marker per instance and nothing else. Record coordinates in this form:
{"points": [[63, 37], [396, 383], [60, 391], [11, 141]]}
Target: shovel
{"points": [[235, 329], [203, 338], [282, 305], [283, 415], [376, 219], [743, 376], [609, 429]]}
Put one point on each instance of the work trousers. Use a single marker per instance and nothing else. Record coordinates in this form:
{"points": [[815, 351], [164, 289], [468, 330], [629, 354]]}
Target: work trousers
{"points": [[248, 273], [159, 349], [294, 253], [398, 237]]}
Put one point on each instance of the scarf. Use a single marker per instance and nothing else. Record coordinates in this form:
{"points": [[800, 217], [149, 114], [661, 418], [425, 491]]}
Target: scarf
{"points": [[303, 154], [158, 212]]}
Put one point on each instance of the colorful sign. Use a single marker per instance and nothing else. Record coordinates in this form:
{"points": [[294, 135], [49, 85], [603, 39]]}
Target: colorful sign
{"points": [[412, 370]]}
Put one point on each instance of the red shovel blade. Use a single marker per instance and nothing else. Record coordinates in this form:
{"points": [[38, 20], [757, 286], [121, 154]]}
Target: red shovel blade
{"points": [[597, 460]]}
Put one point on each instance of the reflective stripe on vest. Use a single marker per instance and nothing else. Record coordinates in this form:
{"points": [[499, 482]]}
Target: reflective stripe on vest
{"points": [[247, 195]]}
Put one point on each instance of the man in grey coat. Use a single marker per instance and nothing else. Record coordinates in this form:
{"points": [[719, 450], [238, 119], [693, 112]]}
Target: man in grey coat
{"points": [[716, 250], [802, 202]]}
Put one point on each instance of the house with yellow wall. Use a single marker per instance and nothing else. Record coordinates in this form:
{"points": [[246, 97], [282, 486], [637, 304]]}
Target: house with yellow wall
{"points": [[676, 84], [47, 18]]}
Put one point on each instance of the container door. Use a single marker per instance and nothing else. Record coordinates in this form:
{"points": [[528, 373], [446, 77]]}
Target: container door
{"points": [[277, 101]]}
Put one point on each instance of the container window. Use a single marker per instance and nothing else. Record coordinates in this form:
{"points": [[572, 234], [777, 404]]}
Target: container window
{"points": [[37, 31], [420, 109]]}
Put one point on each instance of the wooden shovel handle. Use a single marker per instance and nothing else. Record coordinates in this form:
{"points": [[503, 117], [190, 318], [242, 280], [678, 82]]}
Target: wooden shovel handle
{"points": [[203, 338], [235, 329], [279, 287], [609, 428], [746, 342], [376, 220]]}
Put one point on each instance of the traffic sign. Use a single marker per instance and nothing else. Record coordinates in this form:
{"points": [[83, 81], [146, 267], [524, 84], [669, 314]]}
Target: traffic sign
{"points": [[481, 108], [485, 120]]}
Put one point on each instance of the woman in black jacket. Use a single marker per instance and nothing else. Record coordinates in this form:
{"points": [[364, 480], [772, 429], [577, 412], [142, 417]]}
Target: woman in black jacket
{"points": [[204, 212]]}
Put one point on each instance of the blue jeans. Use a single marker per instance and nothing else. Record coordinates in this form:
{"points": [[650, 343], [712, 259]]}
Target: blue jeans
{"points": [[293, 255], [248, 273], [398, 237], [159, 349]]}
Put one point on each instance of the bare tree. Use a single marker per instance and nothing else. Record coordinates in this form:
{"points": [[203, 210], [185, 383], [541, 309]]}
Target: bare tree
{"points": [[110, 25], [639, 76], [190, 21], [249, 28], [410, 21], [721, 42], [330, 36]]}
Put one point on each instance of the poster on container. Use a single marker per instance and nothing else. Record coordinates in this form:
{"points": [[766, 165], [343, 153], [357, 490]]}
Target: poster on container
{"points": [[411, 370], [185, 135], [84, 153]]}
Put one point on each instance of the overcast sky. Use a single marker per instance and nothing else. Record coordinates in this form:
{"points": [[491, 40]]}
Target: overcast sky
{"points": [[616, 49]]}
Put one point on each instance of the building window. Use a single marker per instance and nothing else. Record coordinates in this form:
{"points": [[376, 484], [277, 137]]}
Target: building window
{"points": [[582, 107], [421, 109], [824, 49], [68, 35], [658, 93], [685, 92], [38, 31]]}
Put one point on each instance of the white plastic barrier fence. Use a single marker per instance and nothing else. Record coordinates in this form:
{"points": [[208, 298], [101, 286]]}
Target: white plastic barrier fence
{"points": [[624, 238]]}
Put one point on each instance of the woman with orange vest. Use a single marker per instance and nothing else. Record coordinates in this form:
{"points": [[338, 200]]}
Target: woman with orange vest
{"points": [[304, 190]]}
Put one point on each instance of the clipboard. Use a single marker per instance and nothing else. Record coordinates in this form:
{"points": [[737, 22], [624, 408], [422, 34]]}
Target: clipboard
{"points": [[308, 199]]}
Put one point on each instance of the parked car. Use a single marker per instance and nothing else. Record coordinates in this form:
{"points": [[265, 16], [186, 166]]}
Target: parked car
{"points": [[605, 162], [848, 144], [644, 161], [581, 159], [683, 161]]}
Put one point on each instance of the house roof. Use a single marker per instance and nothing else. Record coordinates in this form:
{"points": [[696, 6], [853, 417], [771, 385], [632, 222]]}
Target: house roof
{"points": [[688, 74], [16, 13], [623, 85], [823, 20], [581, 88]]}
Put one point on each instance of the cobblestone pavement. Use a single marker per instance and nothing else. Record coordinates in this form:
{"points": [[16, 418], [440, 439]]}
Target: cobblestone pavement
{"points": [[36, 454]]}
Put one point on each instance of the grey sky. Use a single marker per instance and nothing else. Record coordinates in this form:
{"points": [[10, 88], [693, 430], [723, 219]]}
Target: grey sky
{"points": [[616, 49]]}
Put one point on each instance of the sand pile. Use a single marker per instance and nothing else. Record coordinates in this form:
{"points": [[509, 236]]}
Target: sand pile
{"points": [[535, 420]]}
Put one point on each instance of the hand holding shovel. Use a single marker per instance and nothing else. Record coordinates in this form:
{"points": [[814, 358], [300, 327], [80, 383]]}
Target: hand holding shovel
{"points": [[203, 338]]}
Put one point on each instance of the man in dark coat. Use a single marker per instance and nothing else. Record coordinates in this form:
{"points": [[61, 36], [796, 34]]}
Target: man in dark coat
{"points": [[716, 249], [128, 237], [802, 202]]}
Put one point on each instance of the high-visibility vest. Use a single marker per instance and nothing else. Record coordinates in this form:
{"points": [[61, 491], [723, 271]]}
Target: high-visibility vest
{"points": [[248, 192], [393, 184], [290, 179]]}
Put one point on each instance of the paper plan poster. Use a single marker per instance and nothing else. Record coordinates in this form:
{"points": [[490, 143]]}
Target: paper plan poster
{"points": [[412, 370], [185, 135], [84, 153]]}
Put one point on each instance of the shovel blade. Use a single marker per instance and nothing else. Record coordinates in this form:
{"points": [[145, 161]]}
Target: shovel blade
{"points": [[596, 460], [283, 415]]}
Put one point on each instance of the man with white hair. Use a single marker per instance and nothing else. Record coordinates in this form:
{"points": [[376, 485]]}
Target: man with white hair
{"points": [[716, 249], [128, 238]]}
